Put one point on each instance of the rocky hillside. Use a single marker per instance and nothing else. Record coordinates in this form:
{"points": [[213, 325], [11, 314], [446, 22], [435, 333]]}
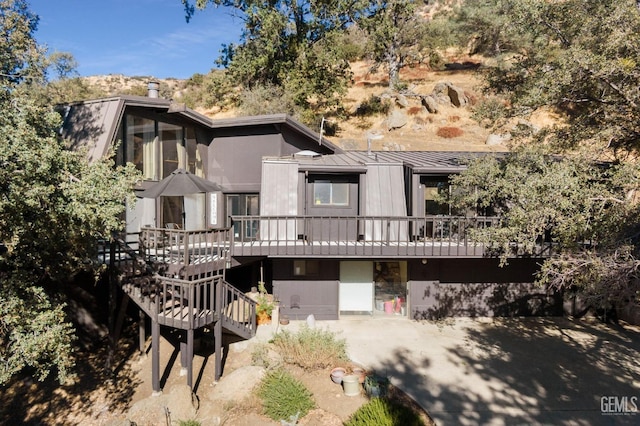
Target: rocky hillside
{"points": [[434, 113]]}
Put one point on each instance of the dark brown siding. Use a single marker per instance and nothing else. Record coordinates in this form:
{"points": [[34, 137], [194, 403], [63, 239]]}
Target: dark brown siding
{"points": [[301, 296], [477, 287], [235, 162]]}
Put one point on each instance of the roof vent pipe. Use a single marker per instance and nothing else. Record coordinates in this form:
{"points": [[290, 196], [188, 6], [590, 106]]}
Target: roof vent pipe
{"points": [[153, 88]]}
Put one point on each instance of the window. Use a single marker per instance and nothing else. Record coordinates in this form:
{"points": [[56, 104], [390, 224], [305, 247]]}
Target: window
{"points": [[306, 267], [435, 187], [157, 148], [141, 143], [328, 193], [244, 205], [173, 150]]}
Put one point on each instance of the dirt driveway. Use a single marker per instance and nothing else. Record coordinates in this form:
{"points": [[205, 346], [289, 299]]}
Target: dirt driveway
{"points": [[522, 371]]}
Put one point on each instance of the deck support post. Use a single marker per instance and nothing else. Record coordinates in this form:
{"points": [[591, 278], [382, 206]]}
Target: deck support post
{"points": [[142, 334], [120, 319], [183, 353], [155, 357], [217, 329], [217, 336], [186, 356], [190, 358]]}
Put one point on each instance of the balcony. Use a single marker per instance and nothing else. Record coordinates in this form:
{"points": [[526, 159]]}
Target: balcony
{"points": [[361, 236], [187, 254]]}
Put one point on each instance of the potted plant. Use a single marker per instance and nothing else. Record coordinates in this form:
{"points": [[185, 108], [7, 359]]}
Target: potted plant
{"points": [[264, 306], [376, 386]]}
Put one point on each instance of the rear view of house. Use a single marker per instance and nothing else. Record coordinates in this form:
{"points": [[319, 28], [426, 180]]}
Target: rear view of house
{"points": [[330, 233]]}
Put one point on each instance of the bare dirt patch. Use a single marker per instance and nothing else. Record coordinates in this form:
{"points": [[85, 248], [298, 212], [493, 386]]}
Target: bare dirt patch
{"points": [[95, 399]]}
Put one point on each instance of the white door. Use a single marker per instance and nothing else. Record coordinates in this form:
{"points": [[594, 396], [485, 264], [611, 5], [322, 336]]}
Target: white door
{"points": [[356, 286]]}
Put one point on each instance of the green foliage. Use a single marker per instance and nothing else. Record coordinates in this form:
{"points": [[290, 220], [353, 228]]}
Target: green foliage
{"points": [[208, 90], [265, 303], [582, 205], [311, 348], [291, 45], [189, 422], [284, 396], [393, 27], [384, 412], [490, 111], [580, 58], [53, 205], [373, 105], [267, 100]]}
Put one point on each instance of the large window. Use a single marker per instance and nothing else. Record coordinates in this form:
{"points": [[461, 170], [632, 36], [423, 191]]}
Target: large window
{"points": [[157, 148], [173, 150], [141, 143]]}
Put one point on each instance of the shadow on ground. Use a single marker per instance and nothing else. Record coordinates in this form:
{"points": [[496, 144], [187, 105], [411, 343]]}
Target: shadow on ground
{"points": [[95, 390], [524, 371]]}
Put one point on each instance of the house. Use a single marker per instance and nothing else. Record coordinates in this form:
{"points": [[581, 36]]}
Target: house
{"points": [[331, 233]]}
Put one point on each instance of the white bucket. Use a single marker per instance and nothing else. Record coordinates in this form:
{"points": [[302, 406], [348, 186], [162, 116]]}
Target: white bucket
{"points": [[351, 385]]}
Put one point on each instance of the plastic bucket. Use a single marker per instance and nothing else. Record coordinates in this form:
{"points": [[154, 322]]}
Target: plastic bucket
{"points": [[351, 385], [388, 307]]}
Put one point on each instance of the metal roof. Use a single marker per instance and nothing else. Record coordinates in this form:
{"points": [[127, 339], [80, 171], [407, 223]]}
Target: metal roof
{"points": [[93, 124], [418, 161]]}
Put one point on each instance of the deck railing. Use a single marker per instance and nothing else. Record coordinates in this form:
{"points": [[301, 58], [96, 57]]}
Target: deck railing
{"points": [[448, 236], [187, 253]]}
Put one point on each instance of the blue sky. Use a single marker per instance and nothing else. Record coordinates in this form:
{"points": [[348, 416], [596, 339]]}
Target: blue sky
{"points": [[135, 37]]}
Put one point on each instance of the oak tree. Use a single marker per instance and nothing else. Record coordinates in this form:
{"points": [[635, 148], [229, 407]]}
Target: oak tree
{"points": [[54, 204]]}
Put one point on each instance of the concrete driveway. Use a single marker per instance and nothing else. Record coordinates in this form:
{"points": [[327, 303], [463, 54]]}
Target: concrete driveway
{"points": [[523, 371]]}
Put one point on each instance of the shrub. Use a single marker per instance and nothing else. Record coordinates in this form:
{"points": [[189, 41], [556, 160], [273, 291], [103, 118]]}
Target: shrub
{"points": [[384, 412], [189, 423], [311, 348], [373, 105], [489, 111], [449, 132], [415, 110], [284, 396]]}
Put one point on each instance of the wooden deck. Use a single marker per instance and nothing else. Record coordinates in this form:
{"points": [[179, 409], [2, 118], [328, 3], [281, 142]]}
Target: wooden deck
{"points": [[362, 236]]}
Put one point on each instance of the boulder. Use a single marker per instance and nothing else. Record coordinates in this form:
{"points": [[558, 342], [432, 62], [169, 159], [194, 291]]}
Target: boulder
{"points": [[396, 119], [494, 139], [236, 385], [457, 96], [441, 89], [179, 404], [430, 104], [401, 100]]}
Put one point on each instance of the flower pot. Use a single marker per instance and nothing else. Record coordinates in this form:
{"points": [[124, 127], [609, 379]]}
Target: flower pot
{"points": [[351, 385], [337, 374], [263, 318], [360, 373]]}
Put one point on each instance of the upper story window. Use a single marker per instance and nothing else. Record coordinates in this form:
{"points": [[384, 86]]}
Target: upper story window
{"points": [[435, 189], [328, 193], [141, 143], [157, 148]]}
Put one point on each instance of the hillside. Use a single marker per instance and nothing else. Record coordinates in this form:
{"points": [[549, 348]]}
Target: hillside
{"points": [[419, 132]]}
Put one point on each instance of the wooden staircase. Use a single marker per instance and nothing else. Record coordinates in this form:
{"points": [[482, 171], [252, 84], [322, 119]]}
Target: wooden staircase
{"points": [[177, 279]]}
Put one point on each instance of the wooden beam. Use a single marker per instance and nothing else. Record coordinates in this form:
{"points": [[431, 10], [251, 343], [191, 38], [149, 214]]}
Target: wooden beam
{"points": [[120, 319], [217, 336], [190, 358], [155, 357], [142, 333]]}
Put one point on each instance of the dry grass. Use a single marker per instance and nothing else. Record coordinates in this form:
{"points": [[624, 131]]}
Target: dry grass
{"points": [[449, 132], [420, 132]]}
